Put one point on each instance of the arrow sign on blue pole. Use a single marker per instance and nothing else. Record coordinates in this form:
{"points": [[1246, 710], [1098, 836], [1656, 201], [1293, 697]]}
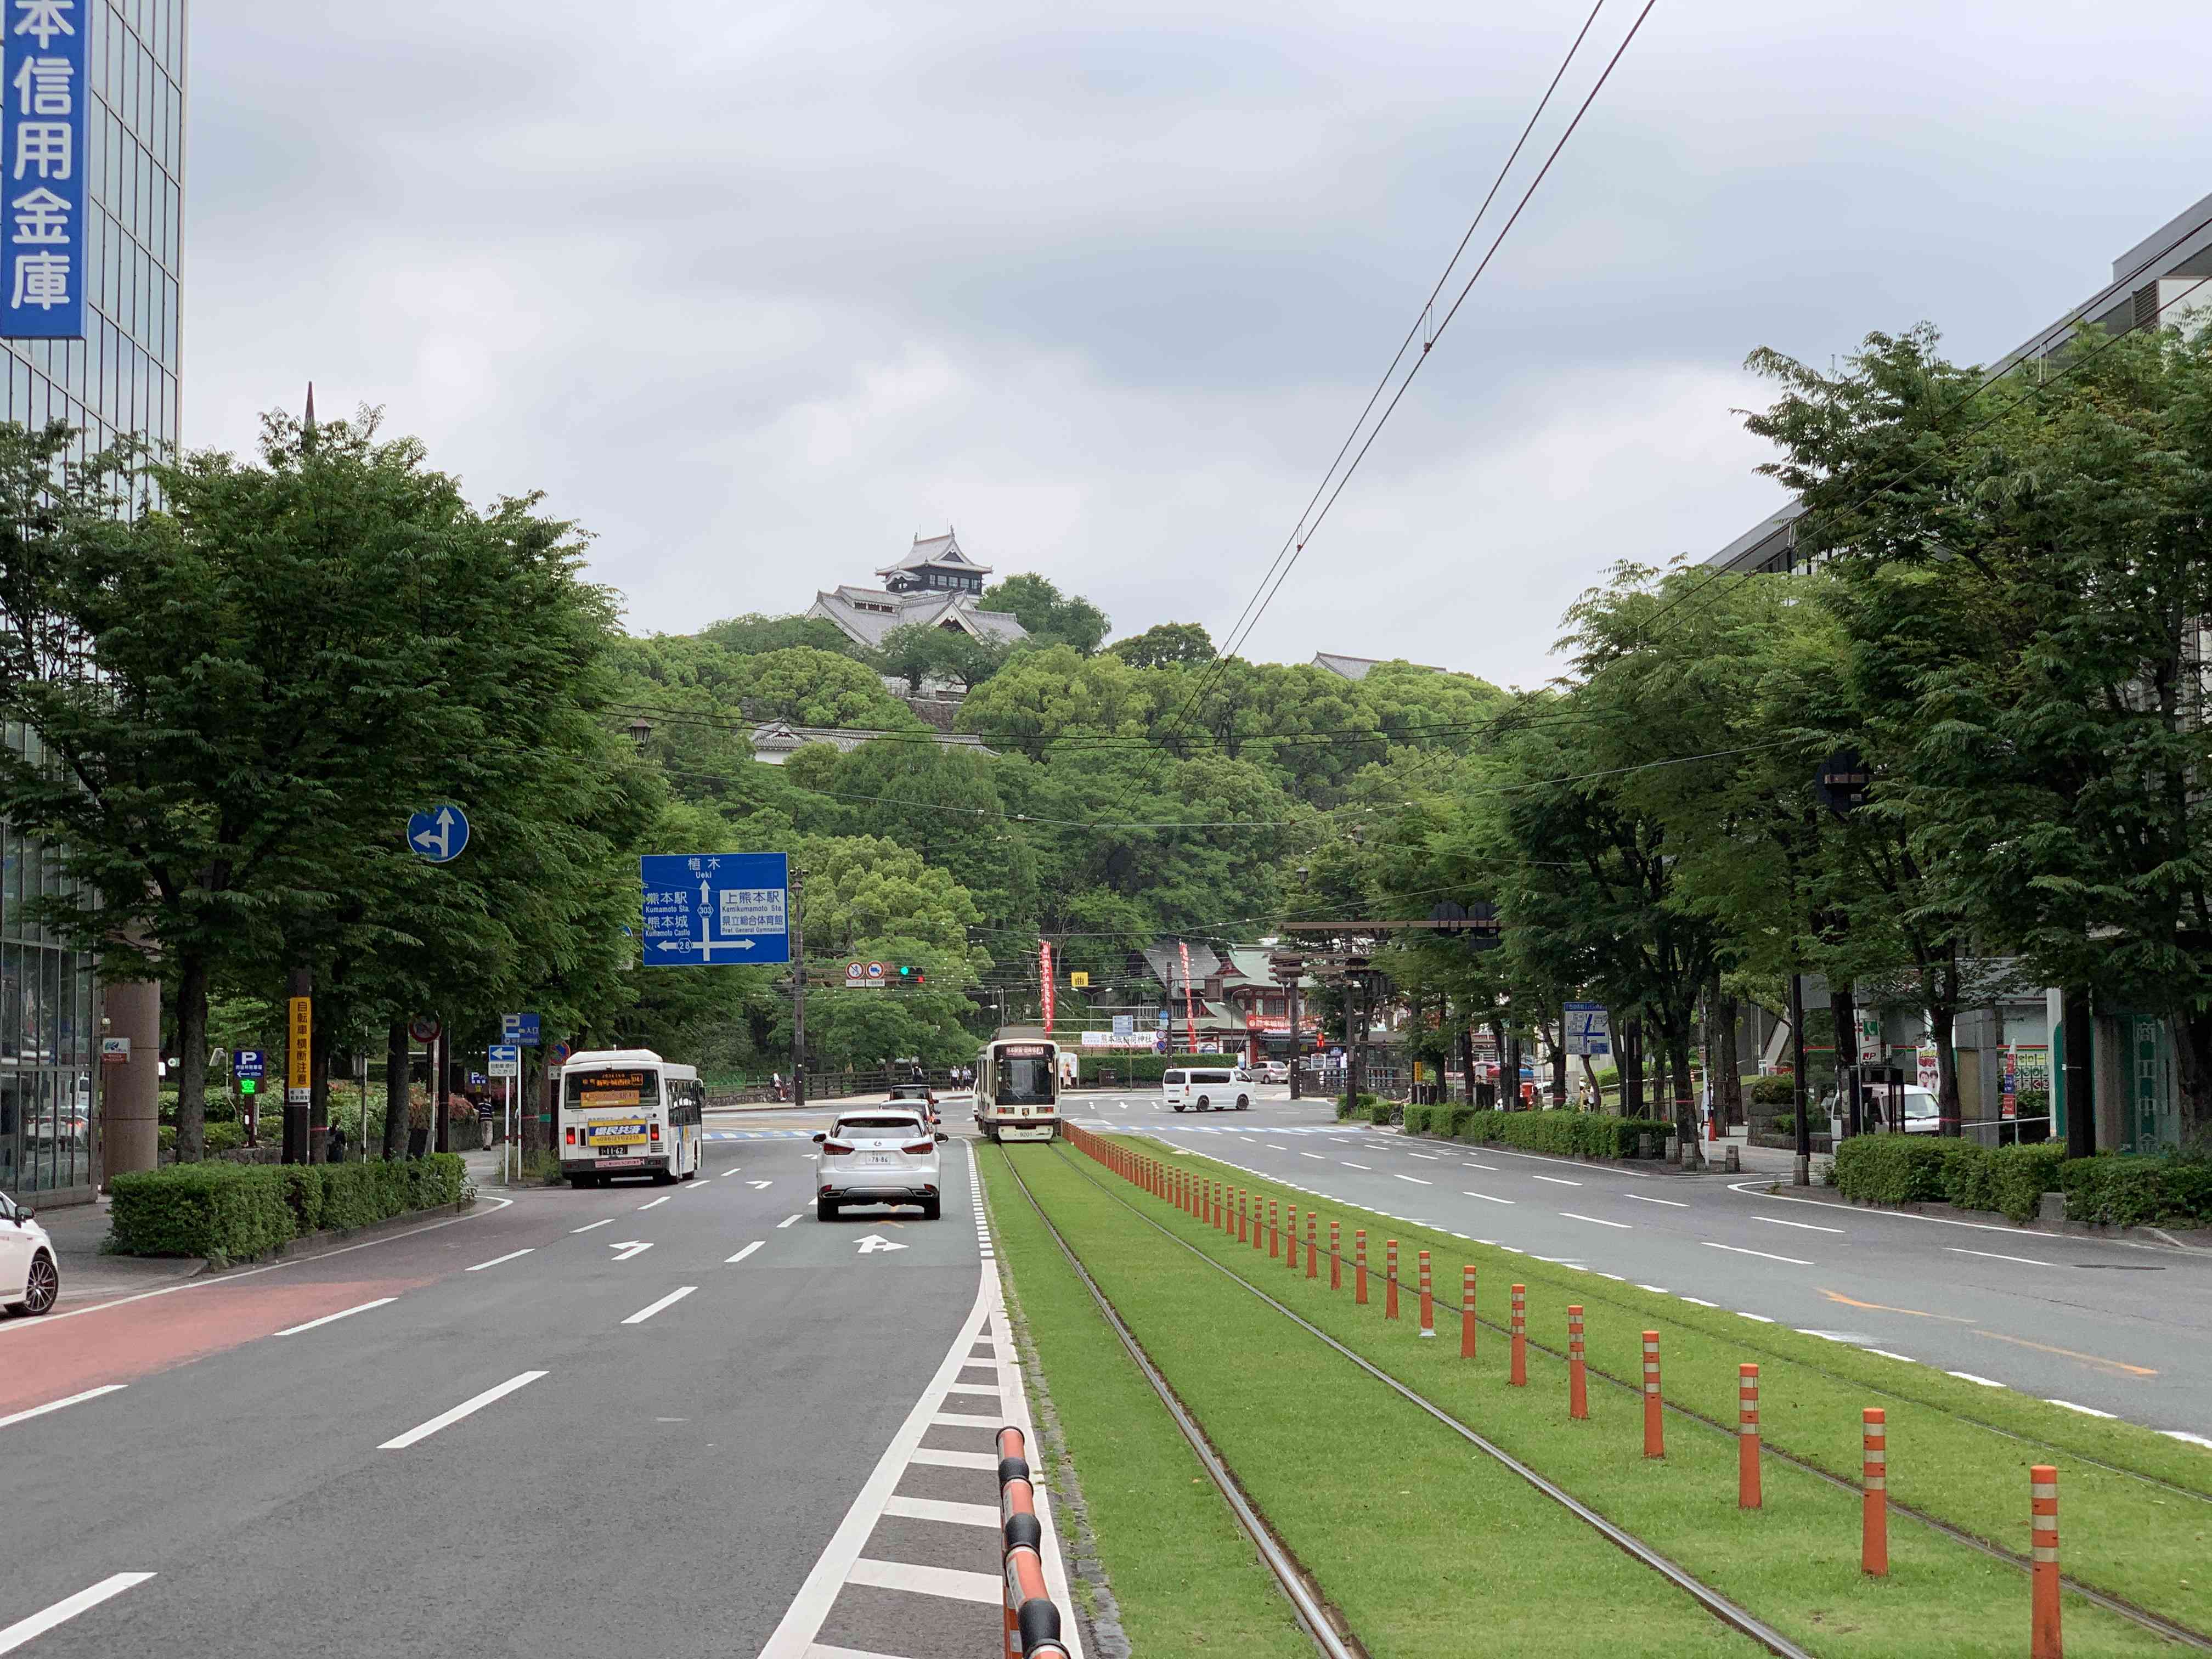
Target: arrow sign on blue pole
{"points": [[709, 909], [438, 834]]}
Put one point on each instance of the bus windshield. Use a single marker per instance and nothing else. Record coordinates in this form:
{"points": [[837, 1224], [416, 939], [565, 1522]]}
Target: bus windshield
{"points": [[626, 1086], [1025, 1079]]}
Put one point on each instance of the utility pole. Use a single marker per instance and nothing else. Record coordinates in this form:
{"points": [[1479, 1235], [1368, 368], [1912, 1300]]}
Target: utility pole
{"points": [[2077, 1027], [799, 995], [299, 1062], [1295, 1056], [1802, 1176], [441, 1137]]}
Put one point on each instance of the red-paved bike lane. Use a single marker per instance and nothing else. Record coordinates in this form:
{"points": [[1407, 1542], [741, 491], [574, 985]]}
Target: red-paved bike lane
{"points": [[120, 1341]]}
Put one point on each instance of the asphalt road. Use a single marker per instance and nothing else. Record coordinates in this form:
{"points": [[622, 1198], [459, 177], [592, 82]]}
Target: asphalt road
{"points": [[2096, 1324], [677, 1392]]}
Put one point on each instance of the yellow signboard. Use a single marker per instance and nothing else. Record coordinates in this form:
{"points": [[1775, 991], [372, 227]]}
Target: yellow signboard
{"points": [[300, 1057], [1080, 982], [613, 1134]]}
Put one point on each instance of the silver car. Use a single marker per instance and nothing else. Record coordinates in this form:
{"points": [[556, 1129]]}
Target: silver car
{"points": [[880, 1156], [30, 1278]]}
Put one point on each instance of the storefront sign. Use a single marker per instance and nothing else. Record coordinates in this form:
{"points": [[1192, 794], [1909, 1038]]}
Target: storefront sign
{"points": [[42, 138]]}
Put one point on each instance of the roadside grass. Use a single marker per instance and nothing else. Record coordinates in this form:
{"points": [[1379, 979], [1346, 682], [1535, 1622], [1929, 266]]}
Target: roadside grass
{"points": [[1427, 1546], [2130, 1537], [1184, 1577]]}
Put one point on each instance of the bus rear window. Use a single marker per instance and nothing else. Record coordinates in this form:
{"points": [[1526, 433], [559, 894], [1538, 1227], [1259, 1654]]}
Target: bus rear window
{"points": [[585, 1092]]}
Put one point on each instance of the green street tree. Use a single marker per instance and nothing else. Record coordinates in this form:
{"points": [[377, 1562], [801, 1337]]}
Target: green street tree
{"points": [[1166, 644]]}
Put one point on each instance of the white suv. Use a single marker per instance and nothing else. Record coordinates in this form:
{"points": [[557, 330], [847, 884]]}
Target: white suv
{"points": [[30, 1281], [882, 1157], [1205, 1089]]}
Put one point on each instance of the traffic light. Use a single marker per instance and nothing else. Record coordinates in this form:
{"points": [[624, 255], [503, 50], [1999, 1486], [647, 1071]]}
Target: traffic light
{"points": [[910, 975], [247, 1086]]}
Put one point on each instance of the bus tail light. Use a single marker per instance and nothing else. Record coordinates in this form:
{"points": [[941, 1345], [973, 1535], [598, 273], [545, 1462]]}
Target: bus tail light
{"points": [[572, 1134], [656, 1131]]}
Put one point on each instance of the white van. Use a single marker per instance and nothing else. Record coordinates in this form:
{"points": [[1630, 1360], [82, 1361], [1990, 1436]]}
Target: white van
{"points": [[1205, 1089]]}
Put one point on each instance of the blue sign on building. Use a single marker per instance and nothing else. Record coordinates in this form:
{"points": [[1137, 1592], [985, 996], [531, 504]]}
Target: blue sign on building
{"points": [[42, 161], [706, 908], [518, 1029]]}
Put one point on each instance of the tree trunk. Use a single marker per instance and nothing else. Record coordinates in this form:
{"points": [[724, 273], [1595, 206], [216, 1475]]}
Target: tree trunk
{"points": [[1944, 1016], [192, 1056], [1631, 1067], [1676, 1056], [1559, 1061], [1497, 1046], [1844, 1015], [2192, 1053], [1728, 1086], [395, 1092]]}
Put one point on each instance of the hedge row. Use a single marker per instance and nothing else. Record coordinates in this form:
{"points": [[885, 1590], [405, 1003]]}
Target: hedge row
{"points": [[2117, 1190], [1562, 1130], [235, 1212]]}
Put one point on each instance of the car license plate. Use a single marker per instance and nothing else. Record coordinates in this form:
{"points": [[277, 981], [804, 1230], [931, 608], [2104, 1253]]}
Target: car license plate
{"points": [[620, 1162], [878, 1160]]}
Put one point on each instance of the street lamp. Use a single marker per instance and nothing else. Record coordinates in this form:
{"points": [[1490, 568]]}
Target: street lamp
{"points": [[640, 730]]}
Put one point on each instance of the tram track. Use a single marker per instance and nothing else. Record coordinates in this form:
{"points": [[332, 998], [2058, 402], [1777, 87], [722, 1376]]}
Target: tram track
{"points": [[2156, 1624], [1728, 1612]]}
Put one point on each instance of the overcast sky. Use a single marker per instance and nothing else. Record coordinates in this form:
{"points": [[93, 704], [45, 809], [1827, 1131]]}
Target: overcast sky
{"points": [[757, 292]]}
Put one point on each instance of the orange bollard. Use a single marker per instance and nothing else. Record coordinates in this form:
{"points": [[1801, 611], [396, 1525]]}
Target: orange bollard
{"points": [[1428, 1302], [1245, 1217], [1519, 1376], [2044, 1641], [1874, 1507], [1291, 1241], [1274, 1220], [1747, 1494], [1467, 1312], [1390, 1279], [1360, 1268], [1335, 1257], [1313, 1248], [1259, 1238], [1577, 1380], [1654, 1426]]}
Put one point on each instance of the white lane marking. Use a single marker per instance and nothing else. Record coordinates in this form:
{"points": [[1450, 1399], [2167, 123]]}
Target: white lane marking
{"points": [[1416, 1180], [1968, 1376], [1776, 1221], [1761, 1318], [653, 1308], [1271, 1147], [1316, 1156], [743, 1253], [1758, 1189], [1493, 1168], [1886, 1354], [1349, 1165], [71, 1399], [1571, 1215], [1655, 1289], [448, 1419], [656, 1202], [964, 1421], [787, 1221], [496, 1260], [348, 1313], [701, 1181], [2023, 1260], [2086, 1410], [1433, 1157], [2184, 1435], [608, 1221], [951, 1583], [1671, 1203], [67, 1609], [1737, 1249], [1558, 1181], [937, 1509], [954, 1459], [757, 1185], [1494, 1201], [1697, 1302]]}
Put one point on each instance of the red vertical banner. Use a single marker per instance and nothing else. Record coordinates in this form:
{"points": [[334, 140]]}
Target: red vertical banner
{"points": [[1189, 1020], [1044, 970]]}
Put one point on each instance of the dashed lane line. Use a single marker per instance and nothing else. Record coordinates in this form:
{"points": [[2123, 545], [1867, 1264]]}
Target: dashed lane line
{"points": [[1807, 1226], [604, 1221], [15, 1635], [1671, 1203], [510, 1256], [656, 1202], [787, 1221], [1738, 1250], [1595, 1221], [55, 1405], [745, 1252], [1992, 1256], [467, 1407], [1559, 1181], [328, 1319], [653, 1308]]}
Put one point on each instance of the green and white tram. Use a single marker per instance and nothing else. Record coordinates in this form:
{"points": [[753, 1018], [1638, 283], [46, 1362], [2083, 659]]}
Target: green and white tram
{"points": [[629, 1112], [1017, 1089]]}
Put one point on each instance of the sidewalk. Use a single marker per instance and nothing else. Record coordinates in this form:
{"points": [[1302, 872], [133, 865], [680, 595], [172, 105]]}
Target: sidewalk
{"points": [[78, 1230]]}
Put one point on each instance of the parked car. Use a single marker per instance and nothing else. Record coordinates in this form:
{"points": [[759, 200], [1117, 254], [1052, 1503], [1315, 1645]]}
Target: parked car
{"points": [[1206, 1089], [921, 1094], [1922, 1116], [30, 1278], [883, 1157], [1275, 1071]]}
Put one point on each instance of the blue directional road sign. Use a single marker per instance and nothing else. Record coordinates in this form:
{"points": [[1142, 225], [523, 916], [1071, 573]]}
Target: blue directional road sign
{"points": [[438, 834], [708, 908], [520, 1029], [504, 1060], [248, 1062]]}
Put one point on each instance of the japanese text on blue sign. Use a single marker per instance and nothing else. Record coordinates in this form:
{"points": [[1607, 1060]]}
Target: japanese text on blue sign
{"points": [[702, 909], [42, 150]]}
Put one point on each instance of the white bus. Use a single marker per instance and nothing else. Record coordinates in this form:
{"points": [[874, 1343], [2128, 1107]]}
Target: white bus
{"points": [[1018, 1089], [629, 1112]]}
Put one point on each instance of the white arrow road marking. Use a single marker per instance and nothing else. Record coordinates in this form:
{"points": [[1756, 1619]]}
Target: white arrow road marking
{"points": [[445, 1419], [653, 1308], [743, 1253], [63, 1611], [756, 1185], [629, 1247], [875, 1242]]}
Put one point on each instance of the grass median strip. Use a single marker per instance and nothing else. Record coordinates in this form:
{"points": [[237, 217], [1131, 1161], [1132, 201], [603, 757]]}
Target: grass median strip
{"points": [[2129, 1537], [1428, 1547], [1184, 1575]]}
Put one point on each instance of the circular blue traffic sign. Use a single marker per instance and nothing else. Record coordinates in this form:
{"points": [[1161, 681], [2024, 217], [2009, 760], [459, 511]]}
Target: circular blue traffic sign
{"points": [[438, 834]]}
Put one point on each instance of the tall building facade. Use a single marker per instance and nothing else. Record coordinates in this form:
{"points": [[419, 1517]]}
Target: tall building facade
{"points": [[119, 378]]}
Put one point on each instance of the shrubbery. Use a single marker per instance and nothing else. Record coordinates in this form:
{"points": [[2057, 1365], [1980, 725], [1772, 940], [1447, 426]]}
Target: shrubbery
{"points": [[1562, 1130], [1383, 1113], [233, 1211], [1360, 1106], [1772, 1091], [1893, 1169], [2121, 1189]]}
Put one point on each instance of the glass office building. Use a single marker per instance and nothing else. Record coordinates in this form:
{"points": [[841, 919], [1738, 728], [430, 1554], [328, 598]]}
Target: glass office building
{"points": [[120, 379]]}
